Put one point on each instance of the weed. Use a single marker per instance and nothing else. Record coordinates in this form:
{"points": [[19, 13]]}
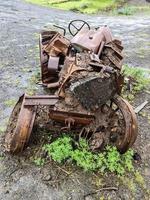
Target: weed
{"points": [[84, 159], [102, 198], [139, 178], [129, 183], [98, 182], [1, 158], [39, 161], [60, 149], [126, 10], [10, 102], [79, 153], [137, 79], [140, 76], [2, 129]]}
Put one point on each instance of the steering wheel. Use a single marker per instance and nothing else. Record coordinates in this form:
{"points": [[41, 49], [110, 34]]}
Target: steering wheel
{"points": [[76, 25]]}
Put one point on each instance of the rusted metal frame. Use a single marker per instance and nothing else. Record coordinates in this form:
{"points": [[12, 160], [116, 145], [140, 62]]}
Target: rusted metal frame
{"points": [[78, 118], [18, 137], [46, 100], [47, 77], [116, 61]]}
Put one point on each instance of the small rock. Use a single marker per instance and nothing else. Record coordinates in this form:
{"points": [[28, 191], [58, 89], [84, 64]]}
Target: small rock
{"points": [[88, 197], [137, 157], [47, 178]]}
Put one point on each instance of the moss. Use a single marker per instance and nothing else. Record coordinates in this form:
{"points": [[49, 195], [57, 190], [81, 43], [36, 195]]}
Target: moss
{"points": [[2, 129], [98, 181], [10, 102], [139, 178], [129, 183]]}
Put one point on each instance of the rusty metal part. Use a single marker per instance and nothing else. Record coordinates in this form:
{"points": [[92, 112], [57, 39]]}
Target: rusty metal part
{"points": [[47, 75], [17, 135], [92, 40], [93, 92], [112, 54], [58, 44], [72, 68], [77, 117], [115, 123], [44, 100], [53, 85], [22, 120], [53, 64], [131, 127], [53, 49], [101, 48]]}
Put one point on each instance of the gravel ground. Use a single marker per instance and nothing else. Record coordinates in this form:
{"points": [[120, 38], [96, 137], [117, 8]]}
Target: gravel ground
{"points": [[20, 24]]}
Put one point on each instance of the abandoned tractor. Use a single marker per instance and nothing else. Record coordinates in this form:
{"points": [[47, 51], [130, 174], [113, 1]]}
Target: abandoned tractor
{"points": [[84, 74]]}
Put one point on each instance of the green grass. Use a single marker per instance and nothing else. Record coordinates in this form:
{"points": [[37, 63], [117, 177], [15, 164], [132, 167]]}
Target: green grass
{"points": [[139, 81], [140, 77], [131, 10], [84, 6]]}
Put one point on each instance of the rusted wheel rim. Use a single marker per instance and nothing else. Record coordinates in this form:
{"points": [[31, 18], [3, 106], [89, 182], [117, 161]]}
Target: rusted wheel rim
{"points": [[134, 123], [11, 124], [19, 127], [131, 128]]}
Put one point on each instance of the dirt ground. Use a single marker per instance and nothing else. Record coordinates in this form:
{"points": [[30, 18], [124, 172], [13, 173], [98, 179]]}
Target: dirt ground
{"points": [[20, 24]]}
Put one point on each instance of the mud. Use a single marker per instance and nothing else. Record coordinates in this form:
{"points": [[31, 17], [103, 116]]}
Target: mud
{"points": [[20, 24]]}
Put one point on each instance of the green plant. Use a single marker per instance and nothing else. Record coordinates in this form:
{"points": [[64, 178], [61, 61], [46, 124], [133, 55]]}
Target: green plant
{"points": [[2, 129], [126, 10], [140, 77], [127, 160], [60, 149], [114, 161], [10, 102], [39, 161], [139, 178], [79, 152]]}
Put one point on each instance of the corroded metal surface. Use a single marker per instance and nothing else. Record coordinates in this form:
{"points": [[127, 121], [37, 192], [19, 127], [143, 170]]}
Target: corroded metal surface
{"points": [[85, 73], [22, 120], [131, 127]]}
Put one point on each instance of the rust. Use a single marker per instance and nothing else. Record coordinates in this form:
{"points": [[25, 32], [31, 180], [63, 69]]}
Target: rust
{"points": [[18, 135], [23, 115], [85, 74], [40, 100], [91, 40], [131, 126], [71, 69], [77, 117]]}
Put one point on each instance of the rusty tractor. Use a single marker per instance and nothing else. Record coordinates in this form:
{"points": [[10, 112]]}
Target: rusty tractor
{"points": [[84, 76]]}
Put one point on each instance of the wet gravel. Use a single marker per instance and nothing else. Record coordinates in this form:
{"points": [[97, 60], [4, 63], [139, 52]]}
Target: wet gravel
{"points": [[20, 24]]}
